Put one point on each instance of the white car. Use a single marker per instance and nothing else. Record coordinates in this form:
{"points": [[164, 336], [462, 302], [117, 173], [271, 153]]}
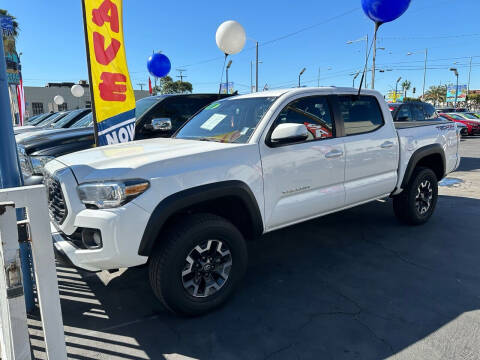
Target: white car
{"points": [[241, 167]]}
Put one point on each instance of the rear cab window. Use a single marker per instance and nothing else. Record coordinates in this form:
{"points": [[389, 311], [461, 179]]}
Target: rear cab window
{"points": [[360, 115]]}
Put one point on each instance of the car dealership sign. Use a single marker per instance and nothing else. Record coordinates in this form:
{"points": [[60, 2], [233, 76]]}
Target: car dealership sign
{"points": [[111, 88]]}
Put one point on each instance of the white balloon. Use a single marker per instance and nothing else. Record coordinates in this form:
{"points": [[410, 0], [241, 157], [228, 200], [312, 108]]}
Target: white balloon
{"points": [[58, 100], [77, 90], [230, 37]]}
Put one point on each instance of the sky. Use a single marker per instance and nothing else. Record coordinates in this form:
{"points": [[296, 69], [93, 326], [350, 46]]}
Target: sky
{"points": [[292, 35]]}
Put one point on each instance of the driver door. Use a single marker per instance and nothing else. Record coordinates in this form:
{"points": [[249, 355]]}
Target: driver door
{"points": [[303, 179]]}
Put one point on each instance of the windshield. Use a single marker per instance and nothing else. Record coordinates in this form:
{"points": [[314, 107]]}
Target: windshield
{"points": [[40, 119], [51, 120], [85, 121], [142, 105], [230, 120], [469, 116], [65, 120], [456, 117]]}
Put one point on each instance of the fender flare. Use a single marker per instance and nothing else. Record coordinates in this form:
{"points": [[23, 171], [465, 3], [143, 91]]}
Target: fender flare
{"points": [[196, 195], [433, 149]]}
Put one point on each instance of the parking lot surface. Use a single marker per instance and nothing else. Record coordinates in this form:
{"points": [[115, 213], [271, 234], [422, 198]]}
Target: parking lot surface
{"points": [[352, 285]]}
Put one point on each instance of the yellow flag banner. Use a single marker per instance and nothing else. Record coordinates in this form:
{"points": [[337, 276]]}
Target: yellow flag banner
{"points": [[113, 100]]}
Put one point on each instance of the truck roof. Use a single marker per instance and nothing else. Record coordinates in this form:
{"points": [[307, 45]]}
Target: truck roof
{"points": [[306, 90]]}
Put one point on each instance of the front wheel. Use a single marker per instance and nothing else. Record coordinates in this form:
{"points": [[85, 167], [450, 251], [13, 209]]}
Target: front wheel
{"points": [[416, 204], [198, 265]]}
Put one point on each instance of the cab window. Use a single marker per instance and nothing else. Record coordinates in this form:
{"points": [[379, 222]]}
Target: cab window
{"points": [[417, 112], [360, 114], [313, 112]]}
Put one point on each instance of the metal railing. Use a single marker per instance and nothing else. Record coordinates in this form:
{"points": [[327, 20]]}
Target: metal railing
{"points": [[14, 337]]}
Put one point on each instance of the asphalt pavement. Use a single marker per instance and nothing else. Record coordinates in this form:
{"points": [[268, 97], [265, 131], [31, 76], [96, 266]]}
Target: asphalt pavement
{"points": [[352, 285]]}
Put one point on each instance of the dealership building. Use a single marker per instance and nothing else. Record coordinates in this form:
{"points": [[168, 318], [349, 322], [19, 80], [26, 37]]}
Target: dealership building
{"points": [[39, 99]]}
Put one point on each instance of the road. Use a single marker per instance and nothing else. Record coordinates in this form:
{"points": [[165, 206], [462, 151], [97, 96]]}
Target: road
{"points": [[353, 285]]}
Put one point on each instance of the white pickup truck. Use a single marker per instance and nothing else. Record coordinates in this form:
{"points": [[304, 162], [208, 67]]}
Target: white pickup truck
{"points": [[241, 167]]}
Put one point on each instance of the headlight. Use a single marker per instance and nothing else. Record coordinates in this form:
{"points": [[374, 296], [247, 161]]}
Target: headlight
{"points": [[111, 194], [25, 165], [39, 162]]}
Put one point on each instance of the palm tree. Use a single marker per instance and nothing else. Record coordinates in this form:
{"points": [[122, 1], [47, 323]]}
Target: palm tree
{"points": [[9, 41], [406, 86], [436, 94]]}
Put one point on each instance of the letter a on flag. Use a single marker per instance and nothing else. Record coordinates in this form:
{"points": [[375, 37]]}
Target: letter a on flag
{"points": [[113, 100]]}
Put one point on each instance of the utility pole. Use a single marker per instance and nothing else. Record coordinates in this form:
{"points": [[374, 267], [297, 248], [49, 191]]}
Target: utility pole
{"points": [[181, 76], [228, 67], [425, 74], [318, 77], [377, 25], [256, 71], [141, 86]]}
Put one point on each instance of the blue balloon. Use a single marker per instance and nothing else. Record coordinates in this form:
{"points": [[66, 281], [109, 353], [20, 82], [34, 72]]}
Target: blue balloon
{"points": [[158, 65], [382, 11]]}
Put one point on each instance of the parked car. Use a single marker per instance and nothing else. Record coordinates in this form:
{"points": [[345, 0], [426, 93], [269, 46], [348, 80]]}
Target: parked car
{"points": [[473, 126], [461, 126], [468, 116], [62, 120], [477, 115], [412, 111], [241, 167], [41, 125], [157, 116]]}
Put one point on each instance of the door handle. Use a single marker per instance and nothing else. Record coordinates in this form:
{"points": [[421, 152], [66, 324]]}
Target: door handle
{"points": [[334, 154], [386, 145]]}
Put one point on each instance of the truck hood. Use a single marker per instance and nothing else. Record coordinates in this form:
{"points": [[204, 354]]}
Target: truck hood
{"points": [[40, 140], [131, 160]]}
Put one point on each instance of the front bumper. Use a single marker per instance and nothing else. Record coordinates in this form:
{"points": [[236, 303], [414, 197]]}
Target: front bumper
{"points": [[121, 230]]}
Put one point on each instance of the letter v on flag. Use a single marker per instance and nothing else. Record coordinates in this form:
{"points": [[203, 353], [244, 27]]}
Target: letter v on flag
{"points": [[113, 100]]}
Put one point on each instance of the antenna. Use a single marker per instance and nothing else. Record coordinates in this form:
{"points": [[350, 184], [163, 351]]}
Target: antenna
{"points": [[181, 76], [377, 25]]}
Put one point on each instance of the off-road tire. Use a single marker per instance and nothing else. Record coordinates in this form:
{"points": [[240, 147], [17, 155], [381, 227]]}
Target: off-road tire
{"points": [[405, 204], [168, 261]]}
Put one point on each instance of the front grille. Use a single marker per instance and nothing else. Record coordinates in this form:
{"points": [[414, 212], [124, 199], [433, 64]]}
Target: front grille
{"points": [[56, 201]]}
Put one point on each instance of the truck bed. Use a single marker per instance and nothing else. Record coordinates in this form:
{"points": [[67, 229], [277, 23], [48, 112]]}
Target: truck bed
{"points": [[412, 124]]}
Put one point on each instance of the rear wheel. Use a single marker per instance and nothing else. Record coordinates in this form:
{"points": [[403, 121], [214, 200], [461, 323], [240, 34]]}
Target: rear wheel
{"points": [[416, 204], [198, 265]]}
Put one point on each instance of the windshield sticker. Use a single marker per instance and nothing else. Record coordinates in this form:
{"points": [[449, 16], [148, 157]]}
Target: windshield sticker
{"points": [[212, 106], [213, 121]]}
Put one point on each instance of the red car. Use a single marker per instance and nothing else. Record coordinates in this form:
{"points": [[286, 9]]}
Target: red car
{"points": [[473, 127]]}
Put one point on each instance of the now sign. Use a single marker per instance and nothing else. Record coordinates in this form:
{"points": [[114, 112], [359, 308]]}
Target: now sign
{"points": [[113, 99]]}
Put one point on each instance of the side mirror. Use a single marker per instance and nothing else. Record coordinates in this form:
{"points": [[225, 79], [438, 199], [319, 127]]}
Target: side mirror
{"points": [[159, 124], [289, 133]]}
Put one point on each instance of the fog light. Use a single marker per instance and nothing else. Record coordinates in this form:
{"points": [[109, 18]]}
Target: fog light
{"points": [[92, 238]]}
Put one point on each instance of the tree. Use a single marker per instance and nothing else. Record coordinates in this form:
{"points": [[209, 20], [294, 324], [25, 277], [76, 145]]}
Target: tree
{"points": [[436, 94], [168, 86], [9, 41], [474, 99], [406, 86]]}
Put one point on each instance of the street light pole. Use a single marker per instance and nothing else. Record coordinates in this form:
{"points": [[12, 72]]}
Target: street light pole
{"points": [[469, 76], [366, 52], [300, 75], [455, 71], [396, 88], [228, 67], [354, 77]]}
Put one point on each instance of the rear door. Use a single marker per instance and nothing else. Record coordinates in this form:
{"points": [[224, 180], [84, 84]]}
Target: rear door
{"points": [[371, 149]]}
